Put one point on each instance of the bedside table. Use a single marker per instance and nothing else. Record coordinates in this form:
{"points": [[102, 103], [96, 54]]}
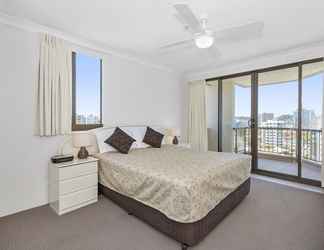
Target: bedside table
{"points": [[73, 184]]}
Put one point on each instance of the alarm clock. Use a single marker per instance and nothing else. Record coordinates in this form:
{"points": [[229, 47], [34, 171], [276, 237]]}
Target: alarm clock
{"points": [[62, 158]]}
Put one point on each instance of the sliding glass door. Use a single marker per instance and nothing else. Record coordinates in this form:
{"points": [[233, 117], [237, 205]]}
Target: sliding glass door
{"points": [[236, 115], [275, 115], [278, 121], [311, 120]]}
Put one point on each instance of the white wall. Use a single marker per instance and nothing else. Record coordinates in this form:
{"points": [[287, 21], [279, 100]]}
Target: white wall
{"points": [[133, 93], [136, 94]]}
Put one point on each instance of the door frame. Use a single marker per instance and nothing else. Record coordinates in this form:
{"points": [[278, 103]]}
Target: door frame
{"points": [[254, 116]]}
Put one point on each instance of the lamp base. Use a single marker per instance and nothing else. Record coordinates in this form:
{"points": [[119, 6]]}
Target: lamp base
{"points": [[175, 141], [83, 153]]}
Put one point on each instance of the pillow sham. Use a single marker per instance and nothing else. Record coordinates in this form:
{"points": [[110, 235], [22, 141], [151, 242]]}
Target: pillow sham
{"points": [[138, 134], [153, 138], [102, 134], [121, 141]]}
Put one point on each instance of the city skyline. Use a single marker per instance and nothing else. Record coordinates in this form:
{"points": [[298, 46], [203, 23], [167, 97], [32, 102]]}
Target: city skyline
{"points": [[280, 103], [282, 98], [87, 119], [309, 120]]}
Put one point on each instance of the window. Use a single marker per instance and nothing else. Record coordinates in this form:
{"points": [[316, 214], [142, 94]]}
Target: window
{"points": [[87, 100]]}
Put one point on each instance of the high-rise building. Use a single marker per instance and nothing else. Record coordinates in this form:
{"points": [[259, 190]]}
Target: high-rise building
{"points": [[80, 119], [287, 120], [318, 122], [92, 119], [89, 119], [309, 119], [266, 117], [241, 122]]}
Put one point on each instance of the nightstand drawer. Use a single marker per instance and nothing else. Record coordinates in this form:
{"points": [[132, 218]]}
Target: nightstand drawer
{"points": [[77, 170], [79, 183], [70, 200]]}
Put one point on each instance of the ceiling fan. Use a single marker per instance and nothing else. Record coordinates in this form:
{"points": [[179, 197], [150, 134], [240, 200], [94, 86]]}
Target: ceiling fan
{"points": [[203, 37]]}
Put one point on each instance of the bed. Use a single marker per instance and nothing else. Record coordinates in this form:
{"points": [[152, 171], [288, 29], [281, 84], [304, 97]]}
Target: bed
{"points": [[178, 191]]}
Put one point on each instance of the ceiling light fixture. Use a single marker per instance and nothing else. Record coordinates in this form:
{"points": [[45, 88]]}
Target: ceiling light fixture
{"points": [[204, 40]]}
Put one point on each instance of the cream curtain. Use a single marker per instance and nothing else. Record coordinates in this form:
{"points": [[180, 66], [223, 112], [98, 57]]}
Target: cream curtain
{"points": [[54, 88], [197, 124]]}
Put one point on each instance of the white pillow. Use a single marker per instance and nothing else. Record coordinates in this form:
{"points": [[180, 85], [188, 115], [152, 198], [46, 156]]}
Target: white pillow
{"points": [[138, 135], [104, 133], [101, 136]]}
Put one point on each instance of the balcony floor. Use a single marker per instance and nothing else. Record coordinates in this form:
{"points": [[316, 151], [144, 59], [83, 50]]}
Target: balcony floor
{"points": [[309, 171]]}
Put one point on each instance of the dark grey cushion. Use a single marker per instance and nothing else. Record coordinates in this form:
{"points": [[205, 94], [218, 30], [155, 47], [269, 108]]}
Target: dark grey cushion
{"points": [[153, 138], [120, 140]]}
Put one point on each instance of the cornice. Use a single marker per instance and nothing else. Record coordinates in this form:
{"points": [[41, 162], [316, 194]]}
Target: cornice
{"points": [[31, 26]]}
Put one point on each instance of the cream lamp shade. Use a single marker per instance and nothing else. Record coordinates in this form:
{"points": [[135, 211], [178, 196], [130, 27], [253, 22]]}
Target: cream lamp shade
{"points": [[80, 139], [172, 132]]}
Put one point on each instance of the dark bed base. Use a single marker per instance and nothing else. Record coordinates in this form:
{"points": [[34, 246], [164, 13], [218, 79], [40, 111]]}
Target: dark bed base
{"points": [[188, 234]]}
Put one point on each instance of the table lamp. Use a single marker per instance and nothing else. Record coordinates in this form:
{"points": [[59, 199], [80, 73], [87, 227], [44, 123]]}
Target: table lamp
{"points": [[81, 140], [174, 133]]}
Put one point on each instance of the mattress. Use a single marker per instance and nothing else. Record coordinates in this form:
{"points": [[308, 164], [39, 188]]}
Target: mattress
{"points": [[182, 184]]}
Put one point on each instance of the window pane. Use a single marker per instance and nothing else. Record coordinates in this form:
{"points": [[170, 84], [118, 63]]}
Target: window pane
{"points": [[312, 120], [87, 89], [278, 121]]}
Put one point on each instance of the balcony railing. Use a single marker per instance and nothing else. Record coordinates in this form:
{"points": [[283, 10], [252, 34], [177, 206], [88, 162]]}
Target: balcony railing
{"points": [[281, 141]]}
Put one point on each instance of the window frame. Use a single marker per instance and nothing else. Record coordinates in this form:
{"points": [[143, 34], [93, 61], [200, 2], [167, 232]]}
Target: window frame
{"points": [[82, 127]]}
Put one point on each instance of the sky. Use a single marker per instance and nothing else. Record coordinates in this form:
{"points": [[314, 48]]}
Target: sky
{"points": [[87, 85], [281, 98]]}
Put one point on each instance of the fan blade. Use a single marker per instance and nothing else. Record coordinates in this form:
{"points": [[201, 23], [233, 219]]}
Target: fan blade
{"points": [[188, 17], [183, 22], [239, 33], [211, 54], [178, 45]]}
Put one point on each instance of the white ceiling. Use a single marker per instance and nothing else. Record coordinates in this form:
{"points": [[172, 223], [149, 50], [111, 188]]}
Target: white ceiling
{"points": [[142, 26]]}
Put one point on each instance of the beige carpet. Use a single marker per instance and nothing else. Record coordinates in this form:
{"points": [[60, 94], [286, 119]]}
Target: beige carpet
{"points": [[272, 217]]}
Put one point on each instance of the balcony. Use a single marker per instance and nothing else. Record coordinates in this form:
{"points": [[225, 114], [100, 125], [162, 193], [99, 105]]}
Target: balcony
{"points": [[277, 149]]}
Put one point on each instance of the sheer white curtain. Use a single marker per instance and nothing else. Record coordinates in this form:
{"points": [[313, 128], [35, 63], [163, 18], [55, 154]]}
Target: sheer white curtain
{"points": [[54, 88], [197, 124]]}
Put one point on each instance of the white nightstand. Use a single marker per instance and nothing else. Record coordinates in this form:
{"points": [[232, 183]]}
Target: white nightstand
{"points": [[73, 184]]}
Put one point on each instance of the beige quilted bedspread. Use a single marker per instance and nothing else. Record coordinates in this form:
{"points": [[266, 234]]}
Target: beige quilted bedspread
{"points": [[183, 184]]}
